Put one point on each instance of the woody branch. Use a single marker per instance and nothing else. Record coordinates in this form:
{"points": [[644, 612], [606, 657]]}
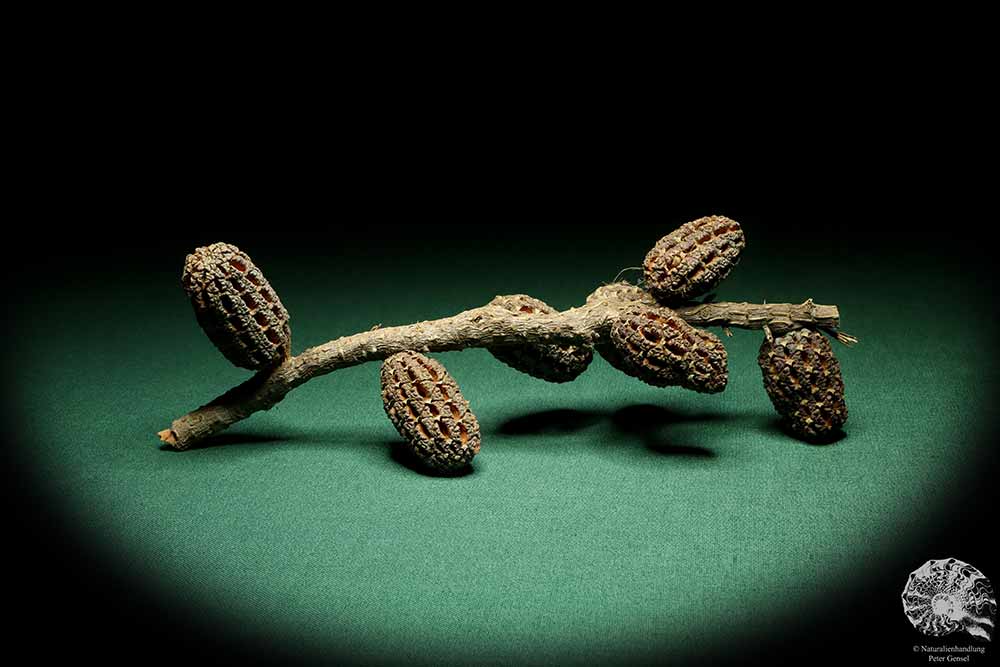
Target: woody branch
{"points": [[483, 327]]}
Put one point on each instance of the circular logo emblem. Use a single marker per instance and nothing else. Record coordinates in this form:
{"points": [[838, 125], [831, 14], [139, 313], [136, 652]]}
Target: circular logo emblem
{"points": [[946, 596]]}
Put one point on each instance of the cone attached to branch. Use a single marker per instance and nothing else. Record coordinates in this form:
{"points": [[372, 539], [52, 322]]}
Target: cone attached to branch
{"points": [[236, 306], [656, 346], [648, 333], [803, 379], [553, 363], [693, 259], [425, 405]]}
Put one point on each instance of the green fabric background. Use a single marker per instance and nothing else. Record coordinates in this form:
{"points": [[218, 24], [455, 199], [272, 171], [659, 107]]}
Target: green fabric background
{"points": [[603, 517]]}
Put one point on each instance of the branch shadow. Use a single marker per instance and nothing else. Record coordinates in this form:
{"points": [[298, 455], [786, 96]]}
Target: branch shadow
{"points": [[551, 421], [230, 439], [648, 423], [246, 442], [643, 422], [396, 450]]}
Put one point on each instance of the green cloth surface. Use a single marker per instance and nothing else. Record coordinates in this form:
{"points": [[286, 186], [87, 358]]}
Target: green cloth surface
{"points": [[603, 517]]}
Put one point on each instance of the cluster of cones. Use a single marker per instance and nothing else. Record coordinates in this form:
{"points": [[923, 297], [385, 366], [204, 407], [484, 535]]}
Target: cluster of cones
{"points": [[244, 318]]}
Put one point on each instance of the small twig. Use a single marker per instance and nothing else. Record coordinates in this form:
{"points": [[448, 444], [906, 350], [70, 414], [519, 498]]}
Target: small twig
{"points": [[779, 316], [843, 337], [486, 326]]}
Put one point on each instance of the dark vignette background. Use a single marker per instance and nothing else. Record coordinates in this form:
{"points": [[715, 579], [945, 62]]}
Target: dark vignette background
{"points": [[861, 210]]}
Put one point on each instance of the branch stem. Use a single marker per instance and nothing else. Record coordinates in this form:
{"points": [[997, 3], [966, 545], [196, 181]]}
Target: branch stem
{"points": [[486, 326]]}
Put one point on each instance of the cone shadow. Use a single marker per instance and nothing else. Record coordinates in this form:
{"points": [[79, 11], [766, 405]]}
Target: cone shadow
{"points": [[777, 425], [401, 455], [650, 425], [551, 421]]}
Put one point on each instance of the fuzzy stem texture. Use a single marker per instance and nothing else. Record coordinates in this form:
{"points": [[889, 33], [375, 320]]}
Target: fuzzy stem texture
{"points": [[486, 326]]}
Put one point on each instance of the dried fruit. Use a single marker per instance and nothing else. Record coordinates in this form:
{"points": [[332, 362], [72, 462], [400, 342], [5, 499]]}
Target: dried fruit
{"points": [[236, 306], [803, 379], [655, 345], [619, 291], [693, 259], [426, 407], [553, 363]]}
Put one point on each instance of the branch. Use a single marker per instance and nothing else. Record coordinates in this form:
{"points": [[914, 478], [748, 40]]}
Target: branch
{"points": [[486, 326], [778, 316]]}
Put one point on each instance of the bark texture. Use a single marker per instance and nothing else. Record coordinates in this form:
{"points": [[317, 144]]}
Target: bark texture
{"points": [[552, 363]]}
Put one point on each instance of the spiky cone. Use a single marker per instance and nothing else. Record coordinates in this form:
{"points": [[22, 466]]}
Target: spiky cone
{"points": [[236, 306], [425, 405], [804, 382], [656, 346], [693, 259], [552, 363]]}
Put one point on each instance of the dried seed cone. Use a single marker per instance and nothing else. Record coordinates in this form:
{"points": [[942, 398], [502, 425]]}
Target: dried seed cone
{"points": [[553, 363], [236, 307], [621, 292], [693, 259], [803, 379], [661, 349], [426, 407]]}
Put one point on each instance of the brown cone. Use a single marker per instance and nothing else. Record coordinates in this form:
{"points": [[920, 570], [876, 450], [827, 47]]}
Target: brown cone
{"points": [[236, 306], [425, 405], [803, 379], [693, 259], [655, 345]]}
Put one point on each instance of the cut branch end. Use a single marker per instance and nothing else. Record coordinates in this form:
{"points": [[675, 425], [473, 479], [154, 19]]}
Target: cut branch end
{"points": [[168, 437]]}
